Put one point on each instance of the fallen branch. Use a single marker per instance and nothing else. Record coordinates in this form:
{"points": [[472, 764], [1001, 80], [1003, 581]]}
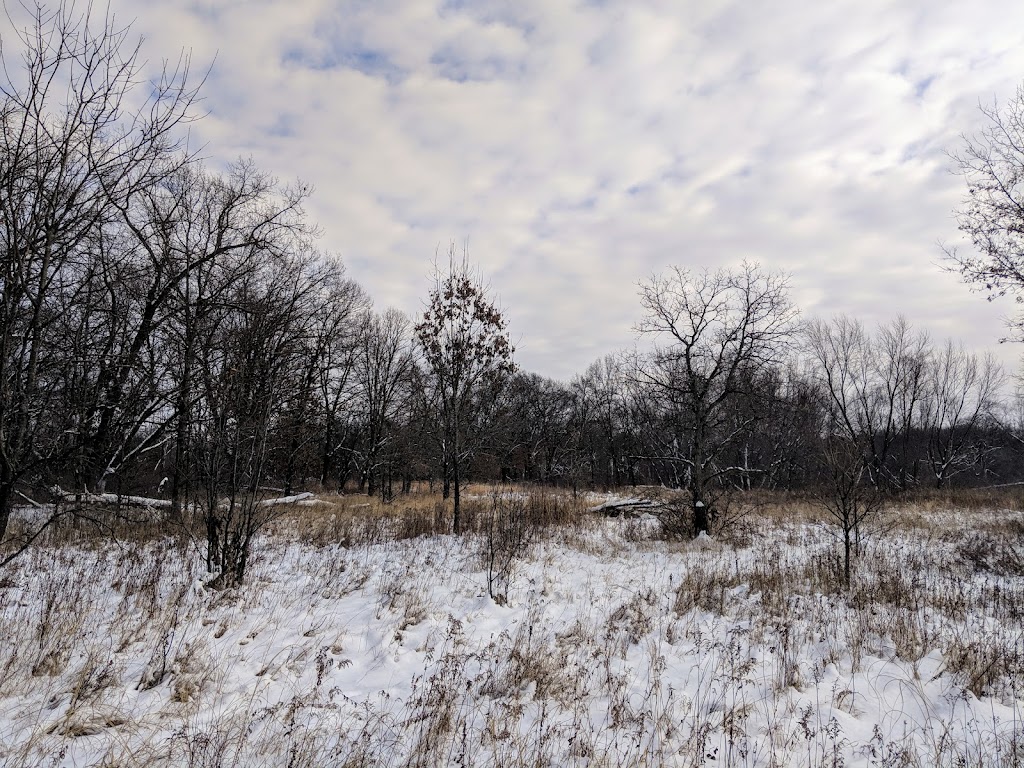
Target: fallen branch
{"points": [[33, 502], [287, 499], [112, 498], [628, 507]]}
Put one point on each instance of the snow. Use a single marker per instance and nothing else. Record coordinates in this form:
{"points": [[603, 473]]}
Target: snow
{"points": [[296, 498], [610, 651]]}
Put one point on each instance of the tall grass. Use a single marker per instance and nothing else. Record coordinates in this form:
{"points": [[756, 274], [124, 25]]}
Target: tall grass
{"points": [[366, 636]]}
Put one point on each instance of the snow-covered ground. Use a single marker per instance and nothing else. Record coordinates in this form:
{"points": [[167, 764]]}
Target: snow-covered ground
{"points": [[611, 650]]}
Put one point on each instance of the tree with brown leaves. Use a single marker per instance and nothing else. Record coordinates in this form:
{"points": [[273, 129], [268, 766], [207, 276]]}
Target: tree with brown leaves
{"points": [[468, 356]]}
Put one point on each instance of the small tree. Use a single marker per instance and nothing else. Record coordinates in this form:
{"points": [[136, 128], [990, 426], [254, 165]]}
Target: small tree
{"points": [[869, 392], [846, 493], [253, 362], [467, 352]]}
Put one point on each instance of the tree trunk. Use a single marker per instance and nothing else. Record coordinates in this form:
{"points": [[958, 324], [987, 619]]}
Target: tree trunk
{"points": [[846, 556], [6, 498], [178, 476], [325, 458], [457, 521], [701, 520], [213, 535], [446, 476], [289, 474], [698, 484]]}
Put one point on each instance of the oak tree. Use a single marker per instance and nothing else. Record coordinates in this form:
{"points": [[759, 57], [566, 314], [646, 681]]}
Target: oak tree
{"points": [[468, 356]]}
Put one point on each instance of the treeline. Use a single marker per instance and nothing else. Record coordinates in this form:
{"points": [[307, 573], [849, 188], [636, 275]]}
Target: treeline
{"points": [[942, 422], [173, 332]]}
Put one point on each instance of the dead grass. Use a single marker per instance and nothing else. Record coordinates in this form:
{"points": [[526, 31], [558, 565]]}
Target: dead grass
{"points": [[762, 617], [356, 519]]}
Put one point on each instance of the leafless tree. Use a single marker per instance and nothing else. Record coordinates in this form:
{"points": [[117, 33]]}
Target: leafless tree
{"points": [[846, 493], [718, 325], [80, 140], [185, 240], [253, 367], [870, 390], [992, 212], [874, 385], [337, 310], [383, 361], [961, 396], [339, 322], [468, 354], [533, 429], [601, 394]]}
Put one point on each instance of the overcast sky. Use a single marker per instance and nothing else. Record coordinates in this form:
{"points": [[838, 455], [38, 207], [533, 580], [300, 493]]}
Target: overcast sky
{"points": [[580, 147]]}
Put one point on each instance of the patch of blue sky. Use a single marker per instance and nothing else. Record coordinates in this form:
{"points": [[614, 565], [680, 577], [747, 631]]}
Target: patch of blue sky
{"points": [[672, 176], [505, 13], [408, 209], [373, 63], [449, 64], [916, 150], [547, 222], [207, 10], [905, 69], [922, 85], [283, 126]]}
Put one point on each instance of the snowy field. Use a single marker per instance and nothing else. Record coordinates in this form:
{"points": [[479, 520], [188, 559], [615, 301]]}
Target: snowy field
{"points": [[612, 649]]}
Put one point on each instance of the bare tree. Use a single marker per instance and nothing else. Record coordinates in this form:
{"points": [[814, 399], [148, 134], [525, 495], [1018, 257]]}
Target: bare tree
{"points": [[961, 396], [601, 398], [337, 311], [788, 430], [992, 212], [870, 390], [78, 142], [718, 325], [534, 424], [468, 355], [846, 493], [338, 330], [185, 239], [383, 361], [874, 385], [253, 366]]}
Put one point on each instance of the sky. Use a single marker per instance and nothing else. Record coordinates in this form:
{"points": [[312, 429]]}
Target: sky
{"points": [[577, 148]]}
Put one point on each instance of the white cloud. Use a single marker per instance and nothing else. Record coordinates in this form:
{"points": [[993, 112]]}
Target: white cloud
{"points": [[579, 147]]}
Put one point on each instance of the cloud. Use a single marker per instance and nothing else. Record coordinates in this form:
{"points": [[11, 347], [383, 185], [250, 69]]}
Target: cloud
{"points": [[580, 147]]}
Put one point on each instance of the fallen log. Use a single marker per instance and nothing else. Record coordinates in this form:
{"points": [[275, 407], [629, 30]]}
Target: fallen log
{"points": [[111, 498], [631, 507], [294, 499]]}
